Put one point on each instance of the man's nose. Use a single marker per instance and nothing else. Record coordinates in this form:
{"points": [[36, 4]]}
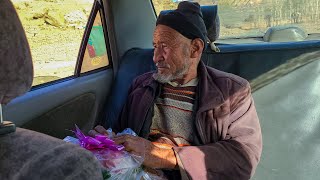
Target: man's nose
{"points": [[157, 55]]}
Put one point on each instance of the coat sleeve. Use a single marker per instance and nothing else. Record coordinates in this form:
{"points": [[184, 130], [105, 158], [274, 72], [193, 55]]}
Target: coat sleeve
{"points": [[233, 157]]}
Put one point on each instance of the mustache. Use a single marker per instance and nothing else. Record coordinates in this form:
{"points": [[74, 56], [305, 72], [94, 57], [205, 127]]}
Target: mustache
{"points": [[162, 65]]}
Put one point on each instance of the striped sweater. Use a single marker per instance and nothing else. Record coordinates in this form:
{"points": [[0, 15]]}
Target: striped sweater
{"points": [[173, 121]]}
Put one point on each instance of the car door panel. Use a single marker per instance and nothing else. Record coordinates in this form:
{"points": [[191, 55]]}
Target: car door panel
{"points": [[55, 108], [75, 111]]}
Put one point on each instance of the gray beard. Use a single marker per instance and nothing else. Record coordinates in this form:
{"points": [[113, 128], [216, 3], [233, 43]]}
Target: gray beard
{"points": [[170, 77]]}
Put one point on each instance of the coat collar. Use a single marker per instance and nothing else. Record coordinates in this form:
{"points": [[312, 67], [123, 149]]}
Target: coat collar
{"points": [[209, 94]]}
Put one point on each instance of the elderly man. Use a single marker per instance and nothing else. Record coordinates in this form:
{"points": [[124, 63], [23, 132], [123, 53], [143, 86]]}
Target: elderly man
{"points": [[194, 122]]}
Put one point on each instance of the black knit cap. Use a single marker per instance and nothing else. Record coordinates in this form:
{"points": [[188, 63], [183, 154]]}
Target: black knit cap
{"points": [[187, 20]]}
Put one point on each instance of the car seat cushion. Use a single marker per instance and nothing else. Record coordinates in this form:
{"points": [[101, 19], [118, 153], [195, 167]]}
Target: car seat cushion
{"points": [[27, 154]]}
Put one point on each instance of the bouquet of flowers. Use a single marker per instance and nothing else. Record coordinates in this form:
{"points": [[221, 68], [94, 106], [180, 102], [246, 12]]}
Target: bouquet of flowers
{"points": [[116, 163]]}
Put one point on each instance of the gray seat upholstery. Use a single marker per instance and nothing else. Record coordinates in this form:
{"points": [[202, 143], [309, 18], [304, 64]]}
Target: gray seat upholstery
{"points": [[29, 155], [16, 70], [26, 154], [134, 63]]}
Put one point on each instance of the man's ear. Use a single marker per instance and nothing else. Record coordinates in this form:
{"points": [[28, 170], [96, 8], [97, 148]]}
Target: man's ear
{"points": [[197, 46]]}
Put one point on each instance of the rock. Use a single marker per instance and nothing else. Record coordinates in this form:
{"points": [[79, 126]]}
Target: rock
{"points": [[55, 18], [40, 13], [75, 18]]}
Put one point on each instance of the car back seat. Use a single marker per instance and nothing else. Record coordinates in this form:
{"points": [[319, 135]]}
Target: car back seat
{"points": [[134, 62]]}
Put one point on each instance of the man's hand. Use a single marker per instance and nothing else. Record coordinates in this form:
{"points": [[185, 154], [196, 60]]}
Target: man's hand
{"points": [[100, 130], [154, 156]]}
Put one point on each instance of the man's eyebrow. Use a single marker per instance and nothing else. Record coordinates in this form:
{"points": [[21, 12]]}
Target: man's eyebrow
{"points": [[154, 43]]}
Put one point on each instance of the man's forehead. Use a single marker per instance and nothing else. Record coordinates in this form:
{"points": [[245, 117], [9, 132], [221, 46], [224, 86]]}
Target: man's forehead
{"points": [[166, 33]]}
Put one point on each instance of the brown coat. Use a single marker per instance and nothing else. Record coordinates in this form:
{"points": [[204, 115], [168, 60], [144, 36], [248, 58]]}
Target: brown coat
{"points": [[226, 122]]}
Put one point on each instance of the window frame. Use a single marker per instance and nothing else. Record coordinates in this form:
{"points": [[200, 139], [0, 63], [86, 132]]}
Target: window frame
{"points": [[154, 9], [96, 8]]}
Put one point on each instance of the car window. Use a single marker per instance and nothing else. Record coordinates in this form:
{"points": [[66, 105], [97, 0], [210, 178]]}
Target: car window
{"points": [[54, 30], [252, 18], [95, 55]]}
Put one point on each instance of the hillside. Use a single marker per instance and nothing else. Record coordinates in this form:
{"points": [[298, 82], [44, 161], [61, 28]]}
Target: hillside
{"points": [[54, 34]]}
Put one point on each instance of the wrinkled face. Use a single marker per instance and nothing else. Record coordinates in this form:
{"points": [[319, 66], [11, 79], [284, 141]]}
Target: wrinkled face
{"points": [[171, 54]]}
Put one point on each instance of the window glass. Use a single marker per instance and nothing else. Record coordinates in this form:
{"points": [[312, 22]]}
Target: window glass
{"points": [[96, 53], [252, 18], [54, 29]]}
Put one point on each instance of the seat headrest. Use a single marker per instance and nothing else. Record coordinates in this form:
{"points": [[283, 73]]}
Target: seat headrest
{"points": [[16, 69], [211, 20]]}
